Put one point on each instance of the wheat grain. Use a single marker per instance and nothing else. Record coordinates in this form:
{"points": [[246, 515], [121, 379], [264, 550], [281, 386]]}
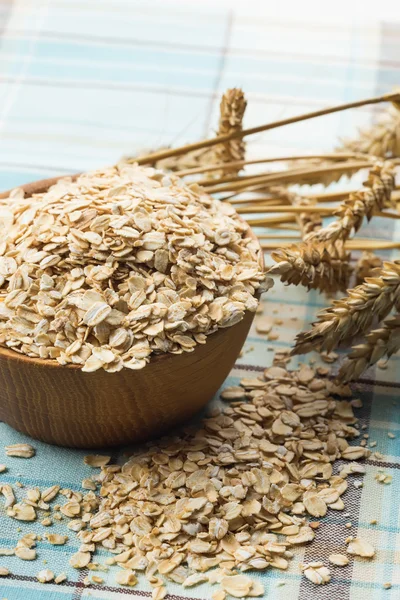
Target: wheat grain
{"points": [[380, 342], [353, 314]]}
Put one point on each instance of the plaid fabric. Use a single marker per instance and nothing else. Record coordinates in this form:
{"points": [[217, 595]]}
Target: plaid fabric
{"points": [[83, 82]]}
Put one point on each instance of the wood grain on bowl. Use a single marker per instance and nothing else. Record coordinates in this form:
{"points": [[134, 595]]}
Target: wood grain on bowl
{"points": [[63, 405]]}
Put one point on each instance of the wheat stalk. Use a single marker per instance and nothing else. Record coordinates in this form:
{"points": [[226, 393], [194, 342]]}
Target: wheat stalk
{"points": [[333, 156], [263, 181], [356, 244], [353, 315], [191, 160], [307, 221], [381, 342], [320, 176], [156, 156]]}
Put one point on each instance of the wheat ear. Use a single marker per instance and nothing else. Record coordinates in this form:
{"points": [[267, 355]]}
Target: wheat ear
{"points": [[351, 212], [367, 266], [313, 266], [382, 139], [381, 342], [321, 262], [232, 109], [353, 315]]}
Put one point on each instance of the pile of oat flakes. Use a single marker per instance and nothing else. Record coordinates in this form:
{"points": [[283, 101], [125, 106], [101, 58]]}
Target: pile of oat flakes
{"points": [[121, 263], [232, 495]]}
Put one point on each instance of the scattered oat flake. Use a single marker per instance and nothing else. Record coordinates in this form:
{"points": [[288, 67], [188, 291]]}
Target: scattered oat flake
{"points": [[195, 579], [360, 547], [378, 455], [391, 435], [257, 589], [126, 577], [237, 586], [96, 460], [50, 493], [4, 572], [387, 586], [384, 478], [22, 512], [56, 539], [88, 484], [8, 494], [60, 578], [173, 508], [263, 325], [20, 450], [45, 576], [317, 573], [340, 560], [25, 553], [273, 336], [3, 468], [79, 560], [233, 393], [329, 357], [159, 592]]}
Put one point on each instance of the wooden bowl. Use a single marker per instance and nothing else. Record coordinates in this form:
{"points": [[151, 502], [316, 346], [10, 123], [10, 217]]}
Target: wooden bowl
{"points": [[63, 405]]}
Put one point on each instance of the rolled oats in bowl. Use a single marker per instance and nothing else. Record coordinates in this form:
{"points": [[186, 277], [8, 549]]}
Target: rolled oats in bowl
{"points": [[120, 264]]}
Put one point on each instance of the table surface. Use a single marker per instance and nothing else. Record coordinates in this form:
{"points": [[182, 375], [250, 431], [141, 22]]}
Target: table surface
{"points": [[83, 82]]}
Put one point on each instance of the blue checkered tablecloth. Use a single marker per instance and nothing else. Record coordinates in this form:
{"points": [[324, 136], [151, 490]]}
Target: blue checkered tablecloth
{"points": [[83, 82]]}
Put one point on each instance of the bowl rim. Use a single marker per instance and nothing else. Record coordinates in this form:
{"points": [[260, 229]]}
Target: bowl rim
{"points": [[42, 185]]}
